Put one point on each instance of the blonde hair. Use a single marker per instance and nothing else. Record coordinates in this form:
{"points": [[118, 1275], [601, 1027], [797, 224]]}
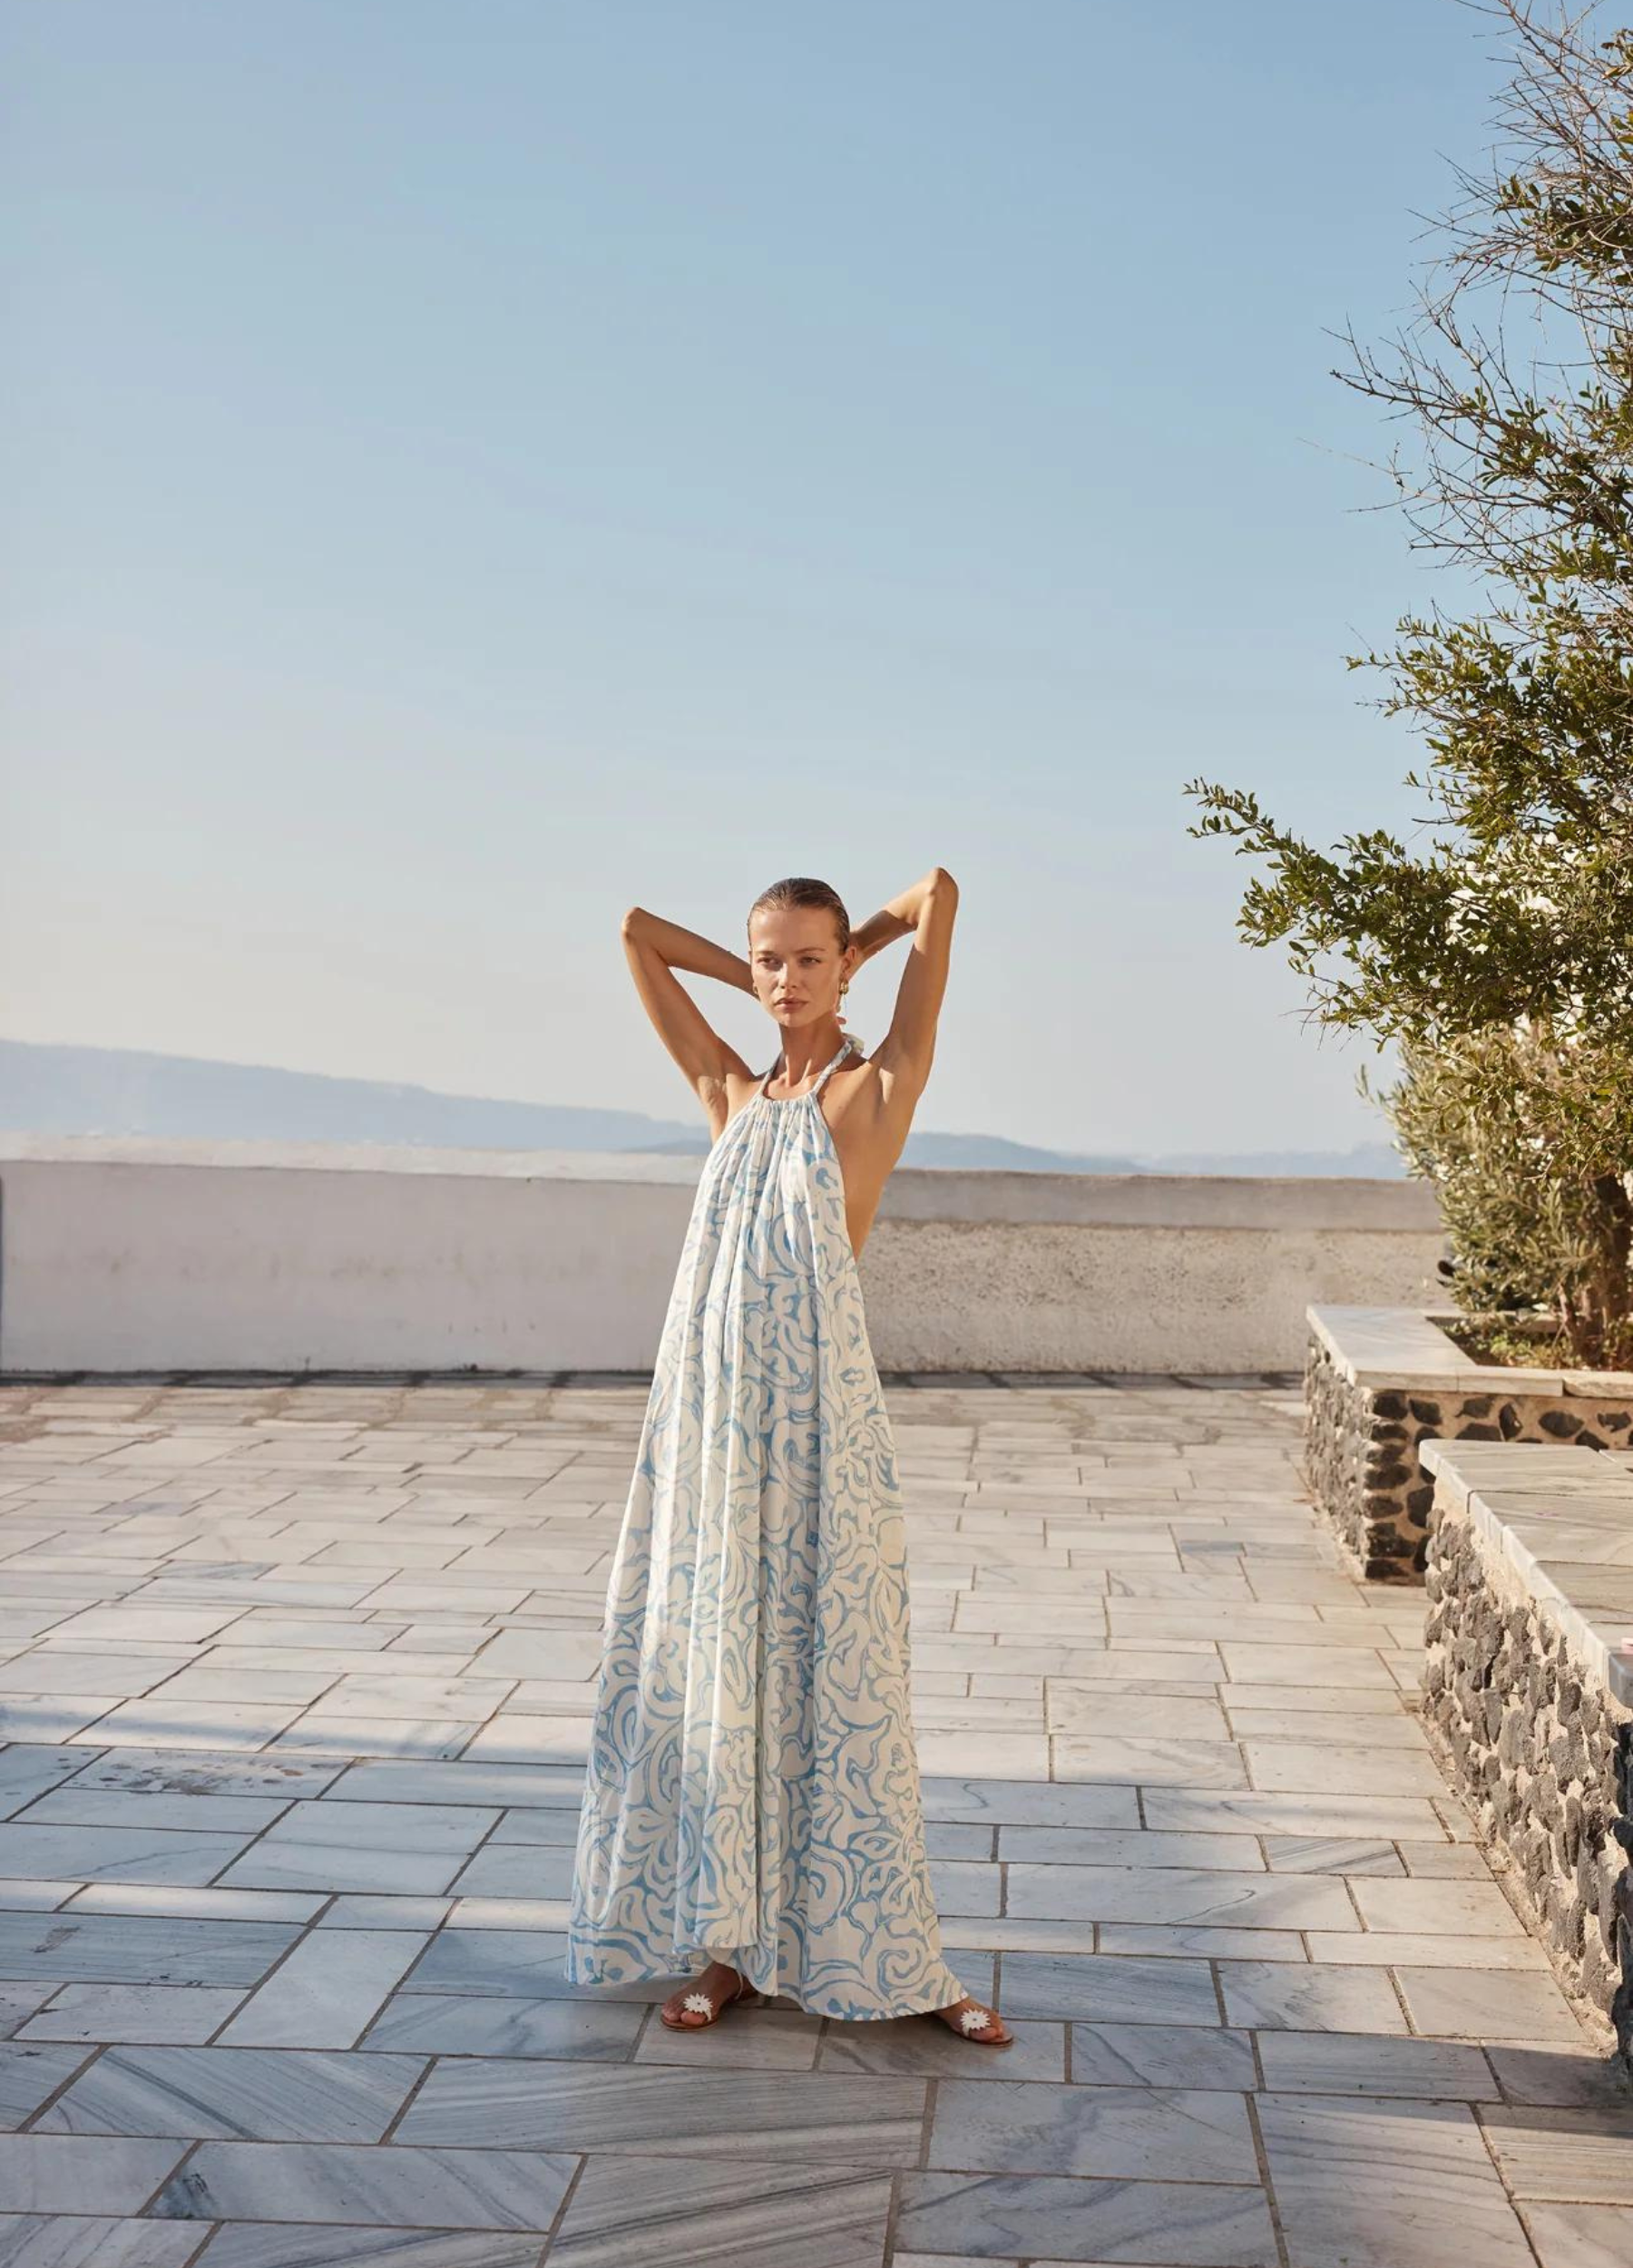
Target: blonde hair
{"points": [[805, 890]]}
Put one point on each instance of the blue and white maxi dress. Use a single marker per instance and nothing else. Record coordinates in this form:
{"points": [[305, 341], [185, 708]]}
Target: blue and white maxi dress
{"points": [[752, 1793]]}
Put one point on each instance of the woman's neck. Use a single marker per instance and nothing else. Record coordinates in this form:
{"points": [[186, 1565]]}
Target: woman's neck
{"points": [[809, 1050]]}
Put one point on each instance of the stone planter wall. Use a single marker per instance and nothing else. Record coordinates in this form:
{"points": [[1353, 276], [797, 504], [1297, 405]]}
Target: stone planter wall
{"points": [[1380, 1381], [1529, 1691]]}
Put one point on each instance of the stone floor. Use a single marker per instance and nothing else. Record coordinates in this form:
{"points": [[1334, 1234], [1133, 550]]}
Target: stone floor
{"points": [[295, 1680]]}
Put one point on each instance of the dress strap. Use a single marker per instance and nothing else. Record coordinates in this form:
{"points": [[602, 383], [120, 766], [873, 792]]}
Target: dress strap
{"points": [[845, 1047]]}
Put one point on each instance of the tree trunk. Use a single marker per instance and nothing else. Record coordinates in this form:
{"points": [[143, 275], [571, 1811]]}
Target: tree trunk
{"points": [[1598, 1314]]}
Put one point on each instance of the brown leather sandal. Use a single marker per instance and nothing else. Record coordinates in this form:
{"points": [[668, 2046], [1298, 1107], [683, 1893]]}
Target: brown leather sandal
{"points": [[704, 2004], [971, 2021]]}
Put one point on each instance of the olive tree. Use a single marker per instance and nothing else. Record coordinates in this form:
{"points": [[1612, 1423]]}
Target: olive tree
{"points": [[1496, 950]]}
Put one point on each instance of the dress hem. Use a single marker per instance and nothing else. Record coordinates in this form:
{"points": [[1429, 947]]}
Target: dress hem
{"points": [[780, 1992]]}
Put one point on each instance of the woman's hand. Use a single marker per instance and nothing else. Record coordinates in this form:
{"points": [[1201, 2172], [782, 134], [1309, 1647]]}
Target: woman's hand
{"points": [[901, 915]]}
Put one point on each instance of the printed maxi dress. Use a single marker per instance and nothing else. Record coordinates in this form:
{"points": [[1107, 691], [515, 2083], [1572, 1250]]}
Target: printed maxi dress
{"points": [[753, 1793]]}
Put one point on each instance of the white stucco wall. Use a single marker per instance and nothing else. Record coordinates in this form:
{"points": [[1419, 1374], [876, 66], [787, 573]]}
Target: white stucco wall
{"points": [[140, 1254]]}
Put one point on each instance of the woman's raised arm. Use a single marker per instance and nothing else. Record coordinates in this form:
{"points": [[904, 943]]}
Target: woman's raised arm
{"points": [[655, 949], [924, 913]]}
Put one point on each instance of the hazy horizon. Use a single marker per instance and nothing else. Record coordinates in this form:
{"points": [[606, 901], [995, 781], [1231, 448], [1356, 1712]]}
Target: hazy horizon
{"points": [[475, 470]]}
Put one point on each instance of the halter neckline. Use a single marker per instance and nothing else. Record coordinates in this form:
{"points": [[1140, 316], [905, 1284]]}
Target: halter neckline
{"points": [[811, 1093]]}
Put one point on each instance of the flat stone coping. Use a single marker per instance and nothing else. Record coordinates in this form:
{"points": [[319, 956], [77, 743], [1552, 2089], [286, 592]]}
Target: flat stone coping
{"points": [[1113, 1200], [1561, 1521], [1380, 1348]]}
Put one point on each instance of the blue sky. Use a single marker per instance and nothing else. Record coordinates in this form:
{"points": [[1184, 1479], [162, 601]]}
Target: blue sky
{"points": [[476, 467]]}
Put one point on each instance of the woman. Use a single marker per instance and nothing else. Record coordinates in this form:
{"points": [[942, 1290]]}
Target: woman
{"points": [[752, 1792]]}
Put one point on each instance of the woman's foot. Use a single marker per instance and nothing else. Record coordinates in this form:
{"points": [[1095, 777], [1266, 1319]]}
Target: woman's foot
{"points": [[700, 2001], [972, 2020]]}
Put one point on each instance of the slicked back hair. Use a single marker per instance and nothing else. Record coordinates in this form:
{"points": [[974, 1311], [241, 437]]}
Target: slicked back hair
{"points": [[805, 890]]}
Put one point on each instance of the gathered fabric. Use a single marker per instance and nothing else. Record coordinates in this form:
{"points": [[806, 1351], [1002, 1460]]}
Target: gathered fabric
{"points": [[752, 1792]]}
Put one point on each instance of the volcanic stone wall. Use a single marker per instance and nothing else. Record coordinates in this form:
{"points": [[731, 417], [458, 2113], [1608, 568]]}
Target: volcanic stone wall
{"points": [[1541, 1749], [1361, 1448]]}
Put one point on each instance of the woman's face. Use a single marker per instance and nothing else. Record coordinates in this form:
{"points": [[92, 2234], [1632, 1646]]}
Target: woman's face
{"points": [[798, 966]]}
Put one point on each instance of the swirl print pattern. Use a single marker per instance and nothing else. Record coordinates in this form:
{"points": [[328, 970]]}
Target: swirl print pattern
{"points": [[752, 1793]]}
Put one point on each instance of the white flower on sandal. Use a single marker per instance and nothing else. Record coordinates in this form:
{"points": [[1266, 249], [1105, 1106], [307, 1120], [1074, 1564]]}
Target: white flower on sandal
{"points": [[974, 2020], [698, 2004]]}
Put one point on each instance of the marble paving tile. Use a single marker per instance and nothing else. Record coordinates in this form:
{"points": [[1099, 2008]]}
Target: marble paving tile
{"points": [[117, 1949], [354, 2186], [235, 2094], [487, 1785], [18, 2002], [158, 2015], [20, 1893], [435, 1740], [1567, 2076], [1201, 1939], [525, 1870], [1455, 1909], [1335, 1854], [1386, 2183], [1295, 1767], [1050, 2219], [1000, 1803], [440, 2024], [1581, 2236], [191, 1723], [1149, 1763], [1366, 2063], [1077, 1709], [389, 1848], [137, 1624], [365, 1913], [76, 2174], [1157, 2055], [27, 1773], [1105, 1990], [1398, 1947], [207, 1905], [693, 2113], [244, 2244], [778, 2038], [420, 1697], [328, 1990], [262, 1627], [524, 1964], [82, 1806], [1134, 1893], [126, 1855], [65, 1716], [124, 1676], [1576, 2155], [1136, 1846], [86, 2240], [1273, 1812], [29, 2076], [663, 2213], [1011, 1755], [915, 2047], [1115, 2133], [200, 1772], [1306, 1999]]}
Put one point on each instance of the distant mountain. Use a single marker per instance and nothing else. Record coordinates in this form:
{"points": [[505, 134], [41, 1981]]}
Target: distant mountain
{"points": [[48, 1090], [118, 1091]]}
